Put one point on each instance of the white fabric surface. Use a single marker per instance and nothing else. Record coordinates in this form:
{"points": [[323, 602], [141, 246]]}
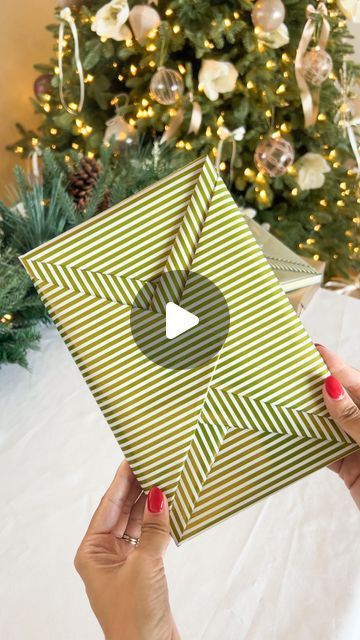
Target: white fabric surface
{"points": [[286, 568]]}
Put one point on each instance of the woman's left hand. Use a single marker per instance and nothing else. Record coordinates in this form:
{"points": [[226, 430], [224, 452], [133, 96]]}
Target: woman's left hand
{"points": [[342, 397], [126, 584]]}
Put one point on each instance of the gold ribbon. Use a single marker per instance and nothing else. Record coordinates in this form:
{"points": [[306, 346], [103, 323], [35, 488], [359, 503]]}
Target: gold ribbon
{"points": [[34, 171], [346, 88], [177, 119], [310, 96], [66, 17], [232, 136]]}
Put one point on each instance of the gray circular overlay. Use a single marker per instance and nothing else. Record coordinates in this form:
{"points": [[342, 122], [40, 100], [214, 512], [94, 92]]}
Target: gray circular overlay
{"points": [[194, 347]]}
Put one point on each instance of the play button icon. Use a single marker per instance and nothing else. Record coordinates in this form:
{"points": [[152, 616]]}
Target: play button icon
{"points": [[178, 320], [188, 328]]}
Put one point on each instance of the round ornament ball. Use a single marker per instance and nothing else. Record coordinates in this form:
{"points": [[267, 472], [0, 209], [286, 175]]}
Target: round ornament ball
{"points": [[317, 65], [268, 15], [42, 85], [166, 86], [273, 156]]}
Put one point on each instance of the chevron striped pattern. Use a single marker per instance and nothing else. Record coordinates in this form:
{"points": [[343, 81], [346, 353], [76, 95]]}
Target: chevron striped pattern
{"points": [[220, 436]]}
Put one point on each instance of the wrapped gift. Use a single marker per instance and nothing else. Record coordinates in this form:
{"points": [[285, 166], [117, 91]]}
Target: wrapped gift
{"points": [[299, 277], [191, 348]]}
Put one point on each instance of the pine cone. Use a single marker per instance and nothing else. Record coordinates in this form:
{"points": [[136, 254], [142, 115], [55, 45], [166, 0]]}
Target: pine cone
{"points": [[83, 180]]}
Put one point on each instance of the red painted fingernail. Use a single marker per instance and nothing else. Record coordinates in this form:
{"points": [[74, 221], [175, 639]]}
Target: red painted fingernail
{"points": [[318, 344], [334, 389], [155, 500]]}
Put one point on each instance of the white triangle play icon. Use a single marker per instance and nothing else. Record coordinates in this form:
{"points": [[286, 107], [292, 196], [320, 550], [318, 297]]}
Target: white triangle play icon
{"points": [[178, 320]]}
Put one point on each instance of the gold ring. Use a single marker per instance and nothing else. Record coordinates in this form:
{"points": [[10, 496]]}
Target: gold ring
{"points": [[130, 539]]}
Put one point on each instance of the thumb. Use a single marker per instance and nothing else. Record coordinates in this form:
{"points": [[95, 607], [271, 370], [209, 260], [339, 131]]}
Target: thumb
{"points": [[155, 529], [341, 408]]}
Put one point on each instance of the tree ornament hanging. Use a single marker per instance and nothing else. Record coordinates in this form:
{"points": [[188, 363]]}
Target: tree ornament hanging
{"points": [[268, 15], [120, 130], [273, 156], [166, 86], [317, 65], [67, 18], [309, 79], [143, 19], [42, 85]]}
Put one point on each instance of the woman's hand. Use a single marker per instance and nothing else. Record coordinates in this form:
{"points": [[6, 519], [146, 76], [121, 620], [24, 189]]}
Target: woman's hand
{"points": [[126, 584], [342, 397]]}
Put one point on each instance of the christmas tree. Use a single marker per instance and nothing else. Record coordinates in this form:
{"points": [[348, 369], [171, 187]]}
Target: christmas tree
{"points": [[261, 86], [193, 73]]}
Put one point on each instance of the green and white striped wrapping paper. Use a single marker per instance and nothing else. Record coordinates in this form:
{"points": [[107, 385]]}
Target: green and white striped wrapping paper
{"points": [[218, 437]]}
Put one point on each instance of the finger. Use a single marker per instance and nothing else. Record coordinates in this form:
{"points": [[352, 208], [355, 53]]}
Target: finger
{"points": [[342, 408], [115, 506], [134, 524], [348, 376], [155, 530]]}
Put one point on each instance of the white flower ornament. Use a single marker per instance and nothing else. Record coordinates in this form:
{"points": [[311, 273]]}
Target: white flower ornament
{"points": [[311, 168], [110, 21], [274, 39], [217, 76]]}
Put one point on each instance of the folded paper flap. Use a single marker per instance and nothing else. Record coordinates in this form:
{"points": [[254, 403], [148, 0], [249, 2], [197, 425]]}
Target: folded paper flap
{"points": [[244, 412], [133, 237], [114, 287], [205, 446], [184, 248]]}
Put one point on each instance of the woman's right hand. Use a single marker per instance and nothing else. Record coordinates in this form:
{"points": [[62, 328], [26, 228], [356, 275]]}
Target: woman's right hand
{"points": [[342, 397]]}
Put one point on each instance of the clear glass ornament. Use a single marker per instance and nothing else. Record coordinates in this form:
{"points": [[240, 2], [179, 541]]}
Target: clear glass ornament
{"points": [[273, 156], [268, 15], [317, 65], [166, 86]]}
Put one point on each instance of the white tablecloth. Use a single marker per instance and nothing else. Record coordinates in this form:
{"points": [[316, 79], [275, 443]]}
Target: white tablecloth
{"points": [[287, 568]]}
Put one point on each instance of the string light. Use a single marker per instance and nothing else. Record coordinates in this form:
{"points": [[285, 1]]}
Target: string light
{"points": [[294, 192], [181, 68], [89, 78], [103, 39], [285, 58], [53, 131], [236, 15], [250, 84], [169, 12], [133, 70], [151, 47], [323, 203], [316, 257], [321, 117], [263, 196], [250, 173], [208, 132], [19, 149], [270, 64], [176, 28], [227, 22], [7, 317], [75, 145], [222, 166], [317, 227], [34, 141], [47, 107], [281, 89], [340, 203]]}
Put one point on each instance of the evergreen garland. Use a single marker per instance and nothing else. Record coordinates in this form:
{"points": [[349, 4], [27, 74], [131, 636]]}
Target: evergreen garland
{"points": [[42, 210]]}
